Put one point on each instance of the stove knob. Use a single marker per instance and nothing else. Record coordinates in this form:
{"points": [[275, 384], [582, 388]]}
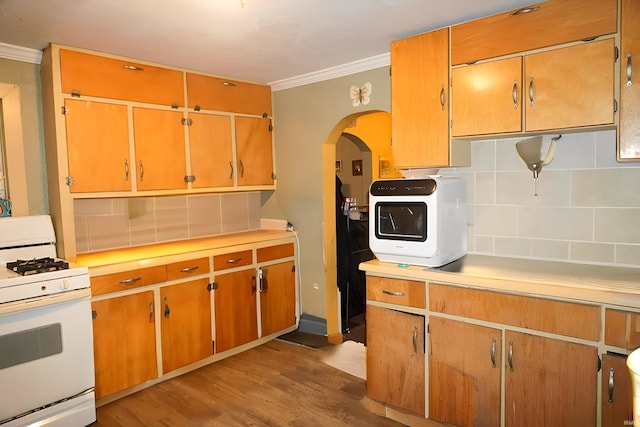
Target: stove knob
{"points": [[65, 284]]}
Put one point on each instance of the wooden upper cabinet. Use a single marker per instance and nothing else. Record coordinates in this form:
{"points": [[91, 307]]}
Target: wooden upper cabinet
{"points": [[629, 126], [160, 149], [97, 146], [220, 94], [254, 151], [211, 150], [105, 77], [486, 98], [570, 87], [546, 24], [420, 100]]}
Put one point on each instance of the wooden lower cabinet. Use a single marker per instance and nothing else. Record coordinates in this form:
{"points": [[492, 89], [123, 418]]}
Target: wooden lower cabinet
{"points": [[616, 391], [549, 382], [236, 315], [185, 323], [124, 340], [277, 297], [464, 373], [395, 358]]}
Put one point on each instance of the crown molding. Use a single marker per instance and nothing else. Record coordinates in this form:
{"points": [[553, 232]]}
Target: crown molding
{"points": [[333, 72], [18, 53]]}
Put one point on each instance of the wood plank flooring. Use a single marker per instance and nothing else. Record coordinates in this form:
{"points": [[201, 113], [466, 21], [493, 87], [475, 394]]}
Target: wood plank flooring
{"points": [[275, 384]]}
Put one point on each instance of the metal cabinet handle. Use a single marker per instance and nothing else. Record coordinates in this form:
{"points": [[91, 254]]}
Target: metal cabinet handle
{"points": [[394, 294], [150, 310], [241, 169], [611, 372], [442, 97], [231, 170], [514, 94], [94, 314], [524, 10], [493, 352], [510, 356], [234, 260], [188, 269], [629, 69], [260, 281], [531, 93], [126, 170], [167, 311], [130, 281], [141, 170], [415, 339]]}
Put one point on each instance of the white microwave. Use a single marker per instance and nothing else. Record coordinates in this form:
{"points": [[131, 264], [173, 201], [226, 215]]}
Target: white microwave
{"points": [[418, 221]]}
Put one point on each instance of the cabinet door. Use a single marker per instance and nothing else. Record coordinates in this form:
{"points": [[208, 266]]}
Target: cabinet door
{"points": [[464, 373], [549, 382], [160, 149], [617, 400], [254, 151], [420, 100], [236, 309], [97, 146], [277, 297], [629, 132], [218, 94], [487, 98], [124, 342], [570, 87], [186, 324], [211, 150], [395, 358]]}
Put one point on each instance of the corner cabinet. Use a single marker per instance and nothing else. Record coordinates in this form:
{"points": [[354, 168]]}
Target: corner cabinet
{"points": [[629, 128]]}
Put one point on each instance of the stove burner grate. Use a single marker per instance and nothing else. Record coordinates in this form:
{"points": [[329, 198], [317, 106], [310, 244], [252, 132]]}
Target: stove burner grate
{"points": [[35, 266]]}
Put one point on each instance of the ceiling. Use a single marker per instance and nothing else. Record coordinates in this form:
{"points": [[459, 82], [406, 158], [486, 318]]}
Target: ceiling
{"points": [[265, 41]]}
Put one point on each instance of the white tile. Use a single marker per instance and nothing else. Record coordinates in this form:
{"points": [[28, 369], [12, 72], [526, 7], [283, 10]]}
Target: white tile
{"points": [[530, 221], [513, 246], [235, 214], [628, 254], [485, 188], [606, 187], [550, 249], [592, 252], [204, 215], [574, 151], [617, 225], [568, 223], [496, 220]]}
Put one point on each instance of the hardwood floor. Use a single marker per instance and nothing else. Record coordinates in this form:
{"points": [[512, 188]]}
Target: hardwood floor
{"points": [[276, 384]]}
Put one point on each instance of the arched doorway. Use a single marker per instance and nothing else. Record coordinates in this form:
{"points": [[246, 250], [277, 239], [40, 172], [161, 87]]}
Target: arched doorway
{"points": [[373, 128]]}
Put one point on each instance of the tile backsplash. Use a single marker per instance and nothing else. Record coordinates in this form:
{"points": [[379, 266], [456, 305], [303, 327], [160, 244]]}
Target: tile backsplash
{"points": [[103, 224], [587, 207]]}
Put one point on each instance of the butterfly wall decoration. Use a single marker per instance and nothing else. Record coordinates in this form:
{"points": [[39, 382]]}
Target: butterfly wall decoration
{"points": [[360, 95]]}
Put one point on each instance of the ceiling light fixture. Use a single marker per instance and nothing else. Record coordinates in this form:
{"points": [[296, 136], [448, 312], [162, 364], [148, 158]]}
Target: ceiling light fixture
{"points": [[242, 3]]}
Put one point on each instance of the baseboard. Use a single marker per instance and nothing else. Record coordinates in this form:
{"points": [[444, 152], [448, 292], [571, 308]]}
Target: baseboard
{"points": [[312, 324]]}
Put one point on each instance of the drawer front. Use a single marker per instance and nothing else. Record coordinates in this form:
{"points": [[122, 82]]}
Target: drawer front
{"points": [[396, 291], [558, 317], [622, 329], [232, 260], [275, 252], [193, 267], [127, 280]]}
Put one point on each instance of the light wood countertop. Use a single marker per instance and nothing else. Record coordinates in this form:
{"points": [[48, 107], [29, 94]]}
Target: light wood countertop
{"points": [[583, 282], [150, 255]]}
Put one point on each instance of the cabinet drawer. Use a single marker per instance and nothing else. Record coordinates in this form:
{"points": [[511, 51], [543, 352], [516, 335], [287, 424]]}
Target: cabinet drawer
{"points": [[232, 260], [193, 267], [275, 252], [218, 94], [558, 317], [555, 22], [396, 291], [104, 77], [622, 329], [127, 280]]}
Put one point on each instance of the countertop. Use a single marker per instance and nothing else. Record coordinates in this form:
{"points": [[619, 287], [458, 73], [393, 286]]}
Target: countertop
{"points": [[162, 253], [582, 282]]}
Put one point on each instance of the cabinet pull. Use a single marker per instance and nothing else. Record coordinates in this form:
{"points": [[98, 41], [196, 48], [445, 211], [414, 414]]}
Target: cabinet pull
{"points": [[611, 372], [230, 170], [188, 269], [394, 294], [260, 281], [531, 92], [510, 356], [241, 169], [126, 170], [150, 311], [493, 352], [167, 311], [514, 94], [141, 171], [442, 97], [94, 314], [524, 10], [629, 69], [130, 281], [234, 260], [415, 339]]}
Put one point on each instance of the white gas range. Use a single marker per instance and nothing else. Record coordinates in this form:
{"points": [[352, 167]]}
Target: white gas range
{"points": [[46, 338]]}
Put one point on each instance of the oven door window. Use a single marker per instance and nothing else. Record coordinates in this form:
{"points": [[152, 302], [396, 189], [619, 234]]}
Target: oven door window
{"points": [[401, 221]]}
